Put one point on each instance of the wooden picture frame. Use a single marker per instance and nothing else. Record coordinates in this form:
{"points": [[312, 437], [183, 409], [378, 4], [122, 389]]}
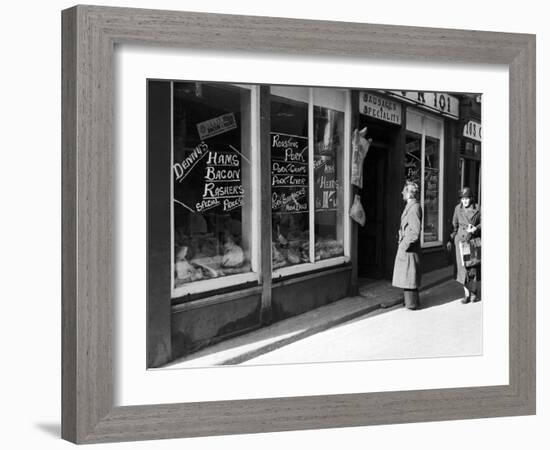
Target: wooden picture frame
{"points": [[89, 36]]}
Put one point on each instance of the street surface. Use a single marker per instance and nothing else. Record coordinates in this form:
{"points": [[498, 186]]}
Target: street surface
{"points": [[443, 327]]}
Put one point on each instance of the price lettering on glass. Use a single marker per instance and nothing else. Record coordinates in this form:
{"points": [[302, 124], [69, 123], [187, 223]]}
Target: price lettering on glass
{"points": [[221, 176], [289, 202], [326, 185], [222, 181], [290, 168], [289, 173], [288, 180]]}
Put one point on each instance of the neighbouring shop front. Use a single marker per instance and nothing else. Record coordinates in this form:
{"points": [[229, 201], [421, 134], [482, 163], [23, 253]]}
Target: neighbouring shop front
{"points": [[470, 147], [249, 197]]}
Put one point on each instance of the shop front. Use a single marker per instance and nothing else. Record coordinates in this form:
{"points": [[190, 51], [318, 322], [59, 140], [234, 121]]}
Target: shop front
{"points": [[470, 148], [414, 138], [249, 194], [257, 225]]}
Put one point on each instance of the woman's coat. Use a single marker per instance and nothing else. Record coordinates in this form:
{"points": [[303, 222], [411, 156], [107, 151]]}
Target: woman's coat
{"points": [[406, 270], [461, 218]]}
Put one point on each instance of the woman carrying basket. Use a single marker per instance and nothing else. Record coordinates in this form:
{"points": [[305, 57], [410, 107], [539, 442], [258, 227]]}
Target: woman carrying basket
{"points": [[466, 226]]}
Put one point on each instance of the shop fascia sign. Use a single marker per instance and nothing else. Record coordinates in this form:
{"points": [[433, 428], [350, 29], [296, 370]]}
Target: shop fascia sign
{"points": [[379, 107], [472, 130], [438, 102]]}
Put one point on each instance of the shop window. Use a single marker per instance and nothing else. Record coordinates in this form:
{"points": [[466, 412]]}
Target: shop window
{"points": [[431, 190], [215, 172], [413, 158], [212, 186], [308, 142], [289, 180], [329, 192], [423, 163]]}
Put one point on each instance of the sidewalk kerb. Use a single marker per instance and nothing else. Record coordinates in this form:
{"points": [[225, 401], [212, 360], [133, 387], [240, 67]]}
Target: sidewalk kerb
{"points": [[251, 354]]}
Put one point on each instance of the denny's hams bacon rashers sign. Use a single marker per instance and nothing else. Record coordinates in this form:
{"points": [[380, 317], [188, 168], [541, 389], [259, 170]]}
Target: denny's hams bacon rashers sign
{"points": [[205, 179]]}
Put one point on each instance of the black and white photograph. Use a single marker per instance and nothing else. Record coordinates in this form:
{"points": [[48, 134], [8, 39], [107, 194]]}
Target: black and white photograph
{"points": [[304, 224], [275, 225]]}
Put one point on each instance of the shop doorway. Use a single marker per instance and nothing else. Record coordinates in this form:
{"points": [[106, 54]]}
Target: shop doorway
{"points": [[370, 257]]}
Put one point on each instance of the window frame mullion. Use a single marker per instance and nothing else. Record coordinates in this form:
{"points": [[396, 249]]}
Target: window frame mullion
{"points": [[311, 178]]}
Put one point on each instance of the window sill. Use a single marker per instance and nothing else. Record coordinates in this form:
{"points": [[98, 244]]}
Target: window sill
{"points": [[214, 298], [285, 272], [212, 286], [312, 271], [236, 286]]}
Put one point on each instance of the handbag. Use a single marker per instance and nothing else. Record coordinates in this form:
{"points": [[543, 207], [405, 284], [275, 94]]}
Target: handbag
{"points": [[470, 252]]}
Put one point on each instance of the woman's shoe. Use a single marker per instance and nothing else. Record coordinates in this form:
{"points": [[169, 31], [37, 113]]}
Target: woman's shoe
{"points": [[475, 298], [465, 300]]}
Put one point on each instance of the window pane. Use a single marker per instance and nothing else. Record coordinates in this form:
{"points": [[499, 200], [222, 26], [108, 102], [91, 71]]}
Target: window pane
{"points": [[414, 121], [211, 181], [329, 192], [477, 150], [431, 190], [289, 182], [413, 158]]}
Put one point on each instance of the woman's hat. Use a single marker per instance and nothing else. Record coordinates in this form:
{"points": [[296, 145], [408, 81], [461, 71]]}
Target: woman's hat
{"points": [[465, 192]]}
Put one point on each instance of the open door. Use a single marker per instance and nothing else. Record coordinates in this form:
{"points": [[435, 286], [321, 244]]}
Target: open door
{"points": [[371, 236]]}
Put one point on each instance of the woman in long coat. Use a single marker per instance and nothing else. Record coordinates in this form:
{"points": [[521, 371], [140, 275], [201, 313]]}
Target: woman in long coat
{"points": [[467, 225], [406, 270]]}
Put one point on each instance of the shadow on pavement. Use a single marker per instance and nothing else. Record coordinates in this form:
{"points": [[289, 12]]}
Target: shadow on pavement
{"points": [[436, 291], [440, 295], [233, 350]]}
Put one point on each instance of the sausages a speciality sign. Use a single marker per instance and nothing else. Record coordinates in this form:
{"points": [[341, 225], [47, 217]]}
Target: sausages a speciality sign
{"points": [[289, 173], [206, 178]]}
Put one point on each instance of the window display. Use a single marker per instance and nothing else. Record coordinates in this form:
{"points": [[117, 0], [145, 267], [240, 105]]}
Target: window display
{"points": [[215, 234], [329, 192], [307, 172], [413, 158], [431, 190], [289, 182], [211, 171], [423, 162]]}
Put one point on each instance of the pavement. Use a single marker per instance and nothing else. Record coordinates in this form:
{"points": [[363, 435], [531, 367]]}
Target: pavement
{"points": [[288, 333], [444, 327]]}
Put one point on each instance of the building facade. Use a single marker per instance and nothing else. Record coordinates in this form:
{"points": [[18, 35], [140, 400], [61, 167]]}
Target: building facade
{"points": [[249, 194]]}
